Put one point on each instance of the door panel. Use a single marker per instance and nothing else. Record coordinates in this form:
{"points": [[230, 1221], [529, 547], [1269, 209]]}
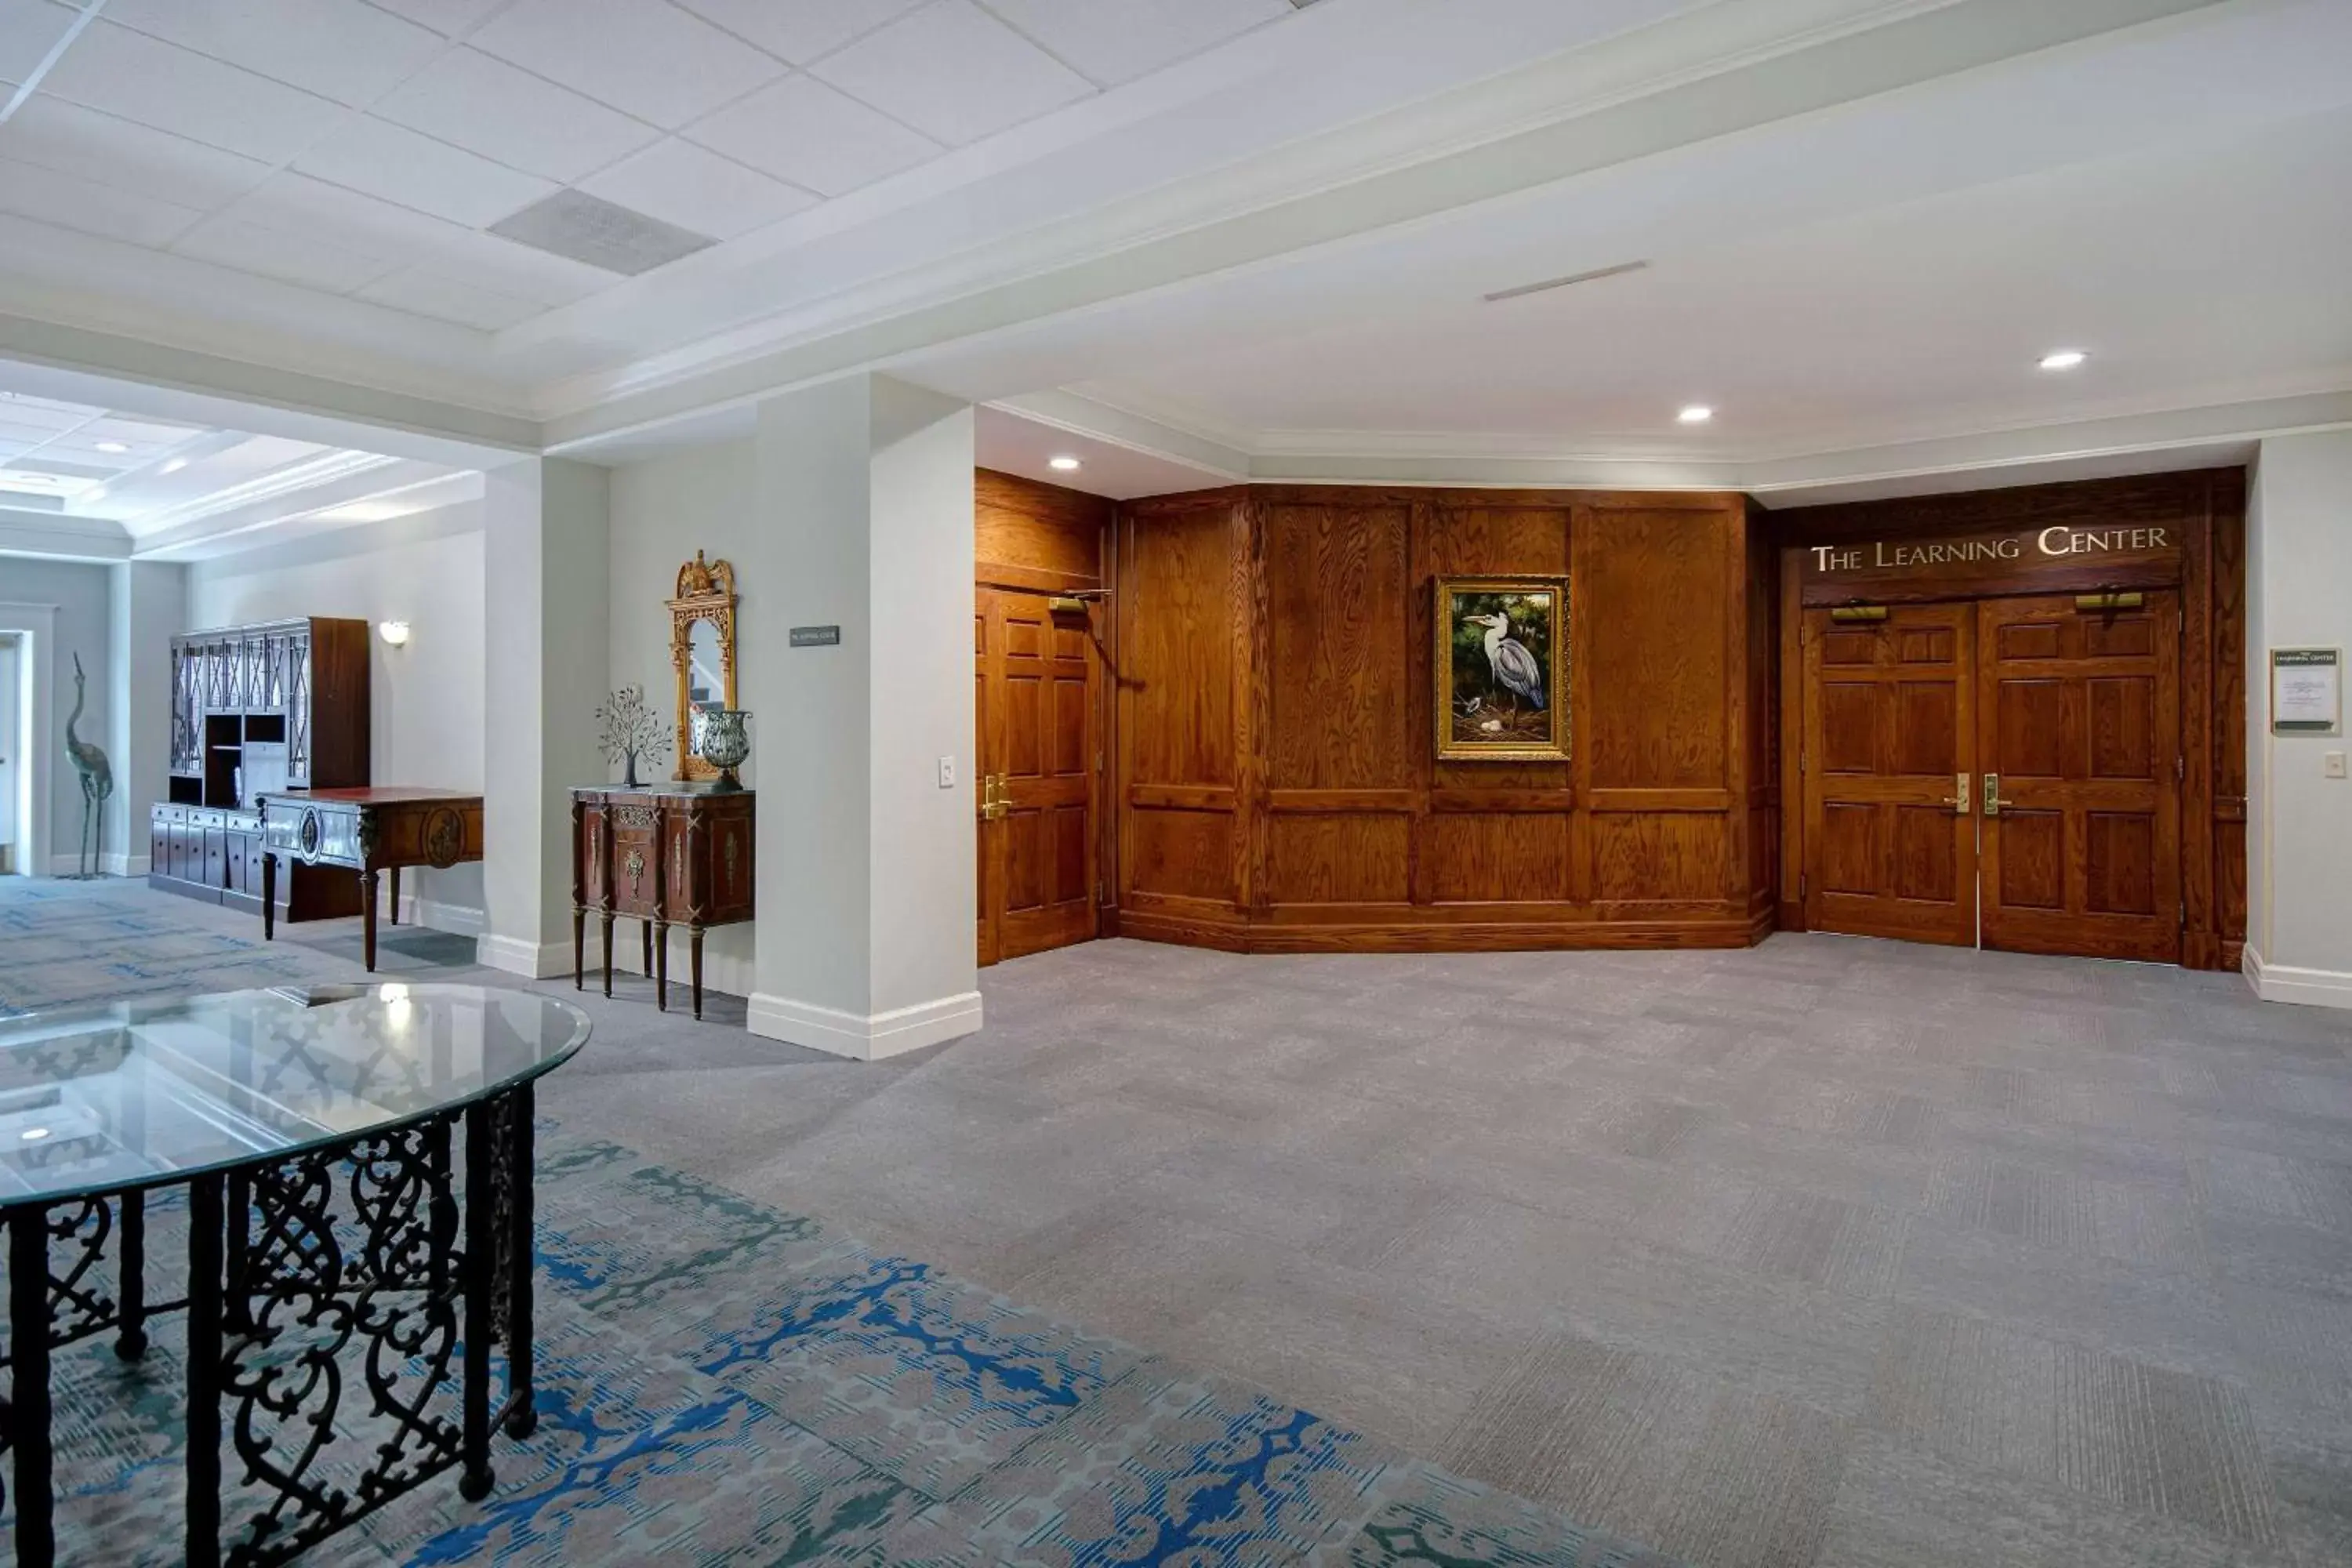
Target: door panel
{"points": [[1037, 742], [2081, 720], [1889, 727]]}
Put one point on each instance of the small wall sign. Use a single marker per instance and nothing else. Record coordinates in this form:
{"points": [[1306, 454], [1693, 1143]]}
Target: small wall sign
{"points": [[815, 637], [2306, 690]]}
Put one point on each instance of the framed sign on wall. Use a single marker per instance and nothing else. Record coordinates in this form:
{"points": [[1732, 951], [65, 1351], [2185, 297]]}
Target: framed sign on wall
{"points": [[2306, 690], [1501, 668]]}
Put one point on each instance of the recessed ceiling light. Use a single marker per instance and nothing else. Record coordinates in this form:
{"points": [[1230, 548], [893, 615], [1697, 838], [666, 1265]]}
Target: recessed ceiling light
{"points": [[112, 447], [1696, 414], [2062, 359], [1066, 465], [32, 1134], [175, 466]]}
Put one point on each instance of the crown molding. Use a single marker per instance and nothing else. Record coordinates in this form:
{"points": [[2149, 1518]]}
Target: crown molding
{"points": [[58, 537], [326, 494]]}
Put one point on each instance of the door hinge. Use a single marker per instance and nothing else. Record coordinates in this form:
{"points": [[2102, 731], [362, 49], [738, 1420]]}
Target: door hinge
{"points": [[1801, 761], [1801, 887], [2181, 768]]}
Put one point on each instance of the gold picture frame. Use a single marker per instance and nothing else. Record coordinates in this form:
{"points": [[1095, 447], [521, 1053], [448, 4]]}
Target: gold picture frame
{"points": [[705, 594], [1501, 685]]}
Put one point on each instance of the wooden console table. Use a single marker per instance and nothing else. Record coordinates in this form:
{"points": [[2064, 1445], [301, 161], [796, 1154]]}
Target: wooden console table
{"points": [[676, 854], [366, 831]]}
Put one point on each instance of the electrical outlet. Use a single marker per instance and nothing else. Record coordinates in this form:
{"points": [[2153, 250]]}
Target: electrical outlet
{"points": [[2334, 765], [946, 773]]}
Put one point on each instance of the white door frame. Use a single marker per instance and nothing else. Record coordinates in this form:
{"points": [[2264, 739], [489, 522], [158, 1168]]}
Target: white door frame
{"points": [[38, 623]]}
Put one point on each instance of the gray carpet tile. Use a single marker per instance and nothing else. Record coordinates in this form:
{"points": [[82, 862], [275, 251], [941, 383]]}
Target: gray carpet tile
{"points": [[1831, 1252]]}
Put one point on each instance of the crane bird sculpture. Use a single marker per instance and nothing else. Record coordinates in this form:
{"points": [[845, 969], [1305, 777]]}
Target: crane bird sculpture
{"points": [[1517, 671], [96, 783]]}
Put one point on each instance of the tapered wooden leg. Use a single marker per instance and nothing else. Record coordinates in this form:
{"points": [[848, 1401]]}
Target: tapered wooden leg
{"points": [[645, 929], [367, 914], [268, 897], [579, 948], [693, 949], [608, 952], [661, 966], [394, 874]]}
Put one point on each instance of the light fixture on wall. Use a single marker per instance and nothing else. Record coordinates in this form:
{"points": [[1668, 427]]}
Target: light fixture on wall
{"points": [[1064, 465], [394, 633], [1696, 414], [2062, 359]]}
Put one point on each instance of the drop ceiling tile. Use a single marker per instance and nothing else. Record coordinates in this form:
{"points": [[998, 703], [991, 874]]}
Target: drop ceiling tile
{"points": [[30, 191], [338, 48], [27, 30], [953, 72], [680, 183], [380, 159], [112, 151], [451, 17], [168, 87], [426, 293], [1119, 40], [801, 131], [489, 107], [288, 255], [642, 56], [800, 30]]}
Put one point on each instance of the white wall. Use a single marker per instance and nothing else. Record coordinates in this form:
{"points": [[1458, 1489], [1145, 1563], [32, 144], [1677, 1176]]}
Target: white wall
{"points": [[79, 590], [2298, 820], [427, 700], [663, 511], [147, 603]]}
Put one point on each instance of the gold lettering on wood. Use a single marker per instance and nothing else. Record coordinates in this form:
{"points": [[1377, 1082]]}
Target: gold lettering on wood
{"points": [[2059, 540]]}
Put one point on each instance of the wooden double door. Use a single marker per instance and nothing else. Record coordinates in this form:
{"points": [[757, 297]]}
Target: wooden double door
{"points": [[1038, 713], [2005, 772]]}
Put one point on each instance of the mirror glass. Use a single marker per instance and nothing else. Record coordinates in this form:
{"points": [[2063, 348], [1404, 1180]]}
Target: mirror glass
{"points": [[705, 679]]}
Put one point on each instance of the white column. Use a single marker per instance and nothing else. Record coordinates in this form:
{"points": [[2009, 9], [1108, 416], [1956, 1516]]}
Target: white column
{"points": [[2298, 812], [546, 548], [866, 929], [148, 600]]}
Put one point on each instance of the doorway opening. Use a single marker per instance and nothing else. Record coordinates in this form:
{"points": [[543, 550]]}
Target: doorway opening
{"points": [[15, 751], [2003, 772]]}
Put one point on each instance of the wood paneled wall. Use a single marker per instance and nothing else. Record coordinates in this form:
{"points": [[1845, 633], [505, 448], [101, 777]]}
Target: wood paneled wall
{"points": [[2206, 510], [1277, 788], [1032, 535]]}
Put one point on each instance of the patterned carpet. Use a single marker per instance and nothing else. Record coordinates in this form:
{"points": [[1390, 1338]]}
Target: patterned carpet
{"points": [[722, 1383]]}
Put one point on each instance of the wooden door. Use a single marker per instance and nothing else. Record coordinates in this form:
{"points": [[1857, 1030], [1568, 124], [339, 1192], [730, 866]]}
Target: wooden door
{"points": [[1037, 744], [1889, 733], [2079, 717]]}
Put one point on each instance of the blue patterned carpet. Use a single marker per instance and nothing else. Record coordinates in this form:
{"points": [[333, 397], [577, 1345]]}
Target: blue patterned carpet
{"points": [[723, 1383]]}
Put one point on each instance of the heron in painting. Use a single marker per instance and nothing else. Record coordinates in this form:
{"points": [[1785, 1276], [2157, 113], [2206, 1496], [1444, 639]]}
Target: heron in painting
{"points": [[1516, 669]]}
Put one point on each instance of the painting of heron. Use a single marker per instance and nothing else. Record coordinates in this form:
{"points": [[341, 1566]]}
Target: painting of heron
{"points": [[1501, 668]]}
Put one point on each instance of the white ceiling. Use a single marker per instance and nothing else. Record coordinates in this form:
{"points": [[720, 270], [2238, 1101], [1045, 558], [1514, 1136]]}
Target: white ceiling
{"points": [[360, 149]]}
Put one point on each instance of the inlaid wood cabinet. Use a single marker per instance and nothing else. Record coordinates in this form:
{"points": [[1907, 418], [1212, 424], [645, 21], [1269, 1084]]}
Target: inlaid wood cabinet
{"points": [[280, 705], [667, 854]]}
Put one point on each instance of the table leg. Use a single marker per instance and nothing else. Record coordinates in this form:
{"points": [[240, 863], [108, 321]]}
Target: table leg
{"points": [[694, 959], [367, 914], [661, 962], [645, 929], [579, 948], [202, 1461], [474, 1476], [394, 873], [130, 1337], [268, 897], [28, 1383], [521, 1418], [608, 952]]}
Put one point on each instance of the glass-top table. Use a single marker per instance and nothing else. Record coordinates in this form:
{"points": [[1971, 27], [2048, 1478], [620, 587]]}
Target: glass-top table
{"points": [[331, 1139]]}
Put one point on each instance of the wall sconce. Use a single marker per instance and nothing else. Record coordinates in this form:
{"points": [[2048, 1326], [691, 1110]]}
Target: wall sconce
{"points": [[394, 633]]}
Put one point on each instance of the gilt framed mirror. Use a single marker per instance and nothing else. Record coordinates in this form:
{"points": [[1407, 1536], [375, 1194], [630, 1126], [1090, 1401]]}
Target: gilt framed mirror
{"points": [[702, 648]]}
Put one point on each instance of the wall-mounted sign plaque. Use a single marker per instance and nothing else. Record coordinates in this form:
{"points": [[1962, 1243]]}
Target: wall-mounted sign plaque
{"points": [[815, 637], [2306, 690], [2061, 558]]}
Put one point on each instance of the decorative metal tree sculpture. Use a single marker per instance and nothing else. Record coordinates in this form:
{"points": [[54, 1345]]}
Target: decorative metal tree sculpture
{"points": [[631, 730], [96, 783]]}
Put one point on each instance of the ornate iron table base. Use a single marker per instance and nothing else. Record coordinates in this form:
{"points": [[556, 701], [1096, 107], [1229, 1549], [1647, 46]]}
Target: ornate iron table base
{"points": [[341, 1288]]}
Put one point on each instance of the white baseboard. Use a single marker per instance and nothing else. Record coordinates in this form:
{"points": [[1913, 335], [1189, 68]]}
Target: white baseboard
{"points": [[458, 920], [126, 865], [515, 955], [2305, 987], [865, 1037]]}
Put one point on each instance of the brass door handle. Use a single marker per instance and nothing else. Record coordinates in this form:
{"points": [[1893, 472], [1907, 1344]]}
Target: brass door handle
{"points": [[1959, 802], [993, 805], [1993, 794]]}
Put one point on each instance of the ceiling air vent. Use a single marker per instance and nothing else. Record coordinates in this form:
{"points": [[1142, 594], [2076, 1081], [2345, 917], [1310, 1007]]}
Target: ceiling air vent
{"points": [[1598, 273], [581, 228]]}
